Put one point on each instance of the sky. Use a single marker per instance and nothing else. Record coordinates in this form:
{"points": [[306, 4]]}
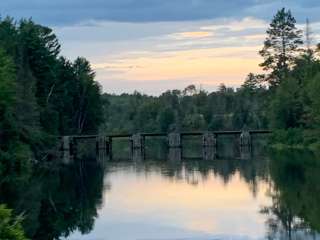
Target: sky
{"points": [[155, 45]]}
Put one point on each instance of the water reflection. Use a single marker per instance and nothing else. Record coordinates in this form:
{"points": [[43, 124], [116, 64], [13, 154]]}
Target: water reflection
{"points": [[295, 209], [99, 198], [56, 200]]}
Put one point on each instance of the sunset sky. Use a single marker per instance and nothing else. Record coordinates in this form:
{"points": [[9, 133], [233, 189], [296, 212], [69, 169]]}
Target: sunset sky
{"points": [[155, 45]]}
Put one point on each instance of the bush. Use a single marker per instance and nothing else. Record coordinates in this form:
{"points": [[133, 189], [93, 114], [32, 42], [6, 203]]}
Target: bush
{"points": [[10, 227]]}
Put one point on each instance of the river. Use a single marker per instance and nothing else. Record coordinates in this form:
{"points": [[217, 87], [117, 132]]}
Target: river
{"points": [[265, 195]]}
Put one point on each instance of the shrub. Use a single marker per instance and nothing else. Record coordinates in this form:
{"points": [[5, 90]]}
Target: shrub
{"points": [[10, 227]]}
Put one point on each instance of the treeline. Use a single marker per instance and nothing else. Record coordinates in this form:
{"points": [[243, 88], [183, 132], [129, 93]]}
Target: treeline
{"points": [[187, 110], [42, 94], [284, 98]]}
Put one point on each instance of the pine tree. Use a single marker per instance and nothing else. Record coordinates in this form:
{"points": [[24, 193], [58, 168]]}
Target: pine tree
{"points": [[280, 47]]}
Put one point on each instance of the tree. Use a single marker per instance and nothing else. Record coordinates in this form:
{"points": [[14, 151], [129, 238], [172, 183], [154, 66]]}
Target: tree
{"points": [[39, 49], [88, 114], [7, 85], [42, 95], [314, 88], [286, 108], [252, 82], [166, 119], [280, 47], [190, 90]]}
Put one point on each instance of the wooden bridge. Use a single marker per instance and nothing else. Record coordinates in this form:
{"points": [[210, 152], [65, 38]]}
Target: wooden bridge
{"points": [[174, 141]]}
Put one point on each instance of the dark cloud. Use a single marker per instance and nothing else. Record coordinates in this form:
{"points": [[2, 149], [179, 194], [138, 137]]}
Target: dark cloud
{"points": [[64, 12]]}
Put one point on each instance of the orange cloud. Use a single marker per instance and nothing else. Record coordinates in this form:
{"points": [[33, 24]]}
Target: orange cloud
{"points": [[205, 66]]}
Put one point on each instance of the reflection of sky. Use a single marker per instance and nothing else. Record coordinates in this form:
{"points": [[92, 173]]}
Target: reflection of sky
{"points": [[155, 207], [157, 45]]}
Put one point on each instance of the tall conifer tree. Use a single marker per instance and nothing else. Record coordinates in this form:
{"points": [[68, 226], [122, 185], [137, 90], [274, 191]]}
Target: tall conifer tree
{"points": [[281, 46]]}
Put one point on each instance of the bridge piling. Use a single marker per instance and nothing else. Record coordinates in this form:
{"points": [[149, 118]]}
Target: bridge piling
{"points": [[175, 154], [101, 143], [209, 143], [174, 140], [65, 143], [245, 138], [109, 148], [67, 149], [245, 145], [137, 141], [138, 146], [68, 144]]}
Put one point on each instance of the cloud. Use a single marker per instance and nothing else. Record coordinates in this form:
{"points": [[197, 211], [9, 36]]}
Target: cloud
{"points": [[176, 55], [62, 12], [237, 25], [186, 35], [206, 67], [154, 45], [109, 40]]}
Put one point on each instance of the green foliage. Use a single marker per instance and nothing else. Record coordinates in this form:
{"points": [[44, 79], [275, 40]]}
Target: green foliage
{"points": [[291, 136], [187, 110], [293, 77], [296, 138], [42, 95], [10, 227], [7, 99], [287, 107], [314, 90], [166, 119], [7, 83]]}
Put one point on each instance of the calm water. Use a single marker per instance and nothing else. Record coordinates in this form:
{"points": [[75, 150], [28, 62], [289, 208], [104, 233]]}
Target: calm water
{"points": [[267, 196]]}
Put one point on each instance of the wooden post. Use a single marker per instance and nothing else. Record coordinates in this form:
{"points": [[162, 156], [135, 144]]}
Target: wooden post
{"points": [[245, 145], [138, 154], [66, 148], [208, 140], [174, 140], [137, 141], [209, 144], [68, 144], [65, 143], [245, 138], [102, 148], [101, 143], [138, 146], [110, 148], [245, 152], [175, 154]]}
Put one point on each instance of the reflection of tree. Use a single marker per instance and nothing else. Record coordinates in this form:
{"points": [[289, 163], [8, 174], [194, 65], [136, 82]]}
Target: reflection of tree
{"points": [[295, 209], [281, 220], [58, 201]]}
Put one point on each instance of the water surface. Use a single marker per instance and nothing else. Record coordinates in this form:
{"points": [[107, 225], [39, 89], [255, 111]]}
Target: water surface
{"points": [[266, 196]]}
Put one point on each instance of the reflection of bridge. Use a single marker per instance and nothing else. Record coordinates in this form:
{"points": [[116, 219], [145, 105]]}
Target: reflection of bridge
{"points": [[174, 141]]}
